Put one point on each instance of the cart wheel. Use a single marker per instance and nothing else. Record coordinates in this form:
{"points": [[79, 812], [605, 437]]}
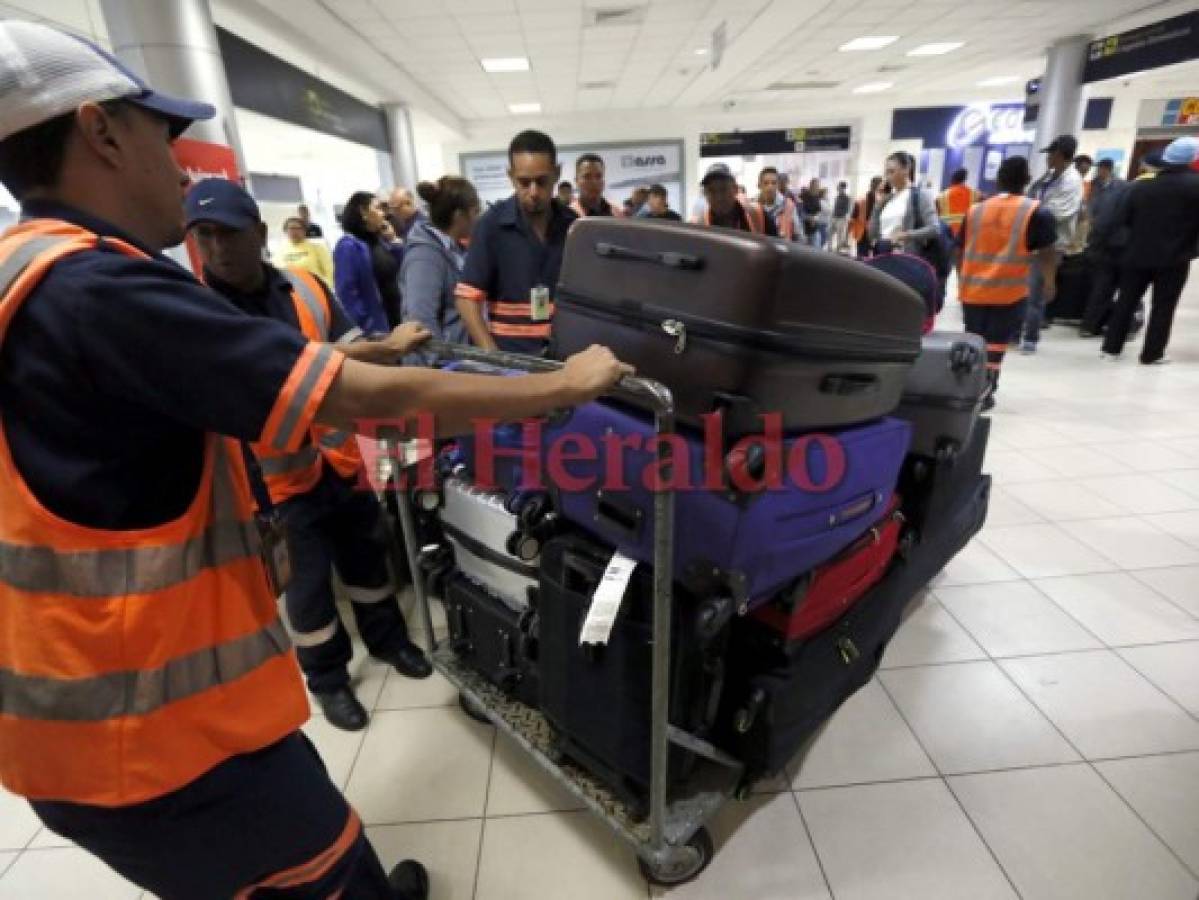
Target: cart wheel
{"points": [[671, 876], [472, 709]]}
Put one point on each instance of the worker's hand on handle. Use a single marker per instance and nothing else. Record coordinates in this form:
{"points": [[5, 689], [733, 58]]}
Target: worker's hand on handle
{"points": [[405, 337], [592, 372]]}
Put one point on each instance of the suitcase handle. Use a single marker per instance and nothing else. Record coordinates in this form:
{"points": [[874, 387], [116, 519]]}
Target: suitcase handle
{"points": [[685, 261], [844, 385]]}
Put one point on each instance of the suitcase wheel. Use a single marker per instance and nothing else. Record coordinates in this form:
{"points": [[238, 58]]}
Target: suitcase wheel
{"points": [[524, 546], [693, 857], [745, 717], [947, 451]]}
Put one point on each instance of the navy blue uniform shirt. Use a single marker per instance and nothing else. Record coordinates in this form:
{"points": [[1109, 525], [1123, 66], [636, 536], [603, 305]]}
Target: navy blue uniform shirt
{"points": [[273, 301], [506, 260], [113, 370]]}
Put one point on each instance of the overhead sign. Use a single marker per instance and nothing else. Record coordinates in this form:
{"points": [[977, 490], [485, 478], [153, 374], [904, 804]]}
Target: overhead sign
{"points": [[266, 84], [982, 123], [626, 166], [1163, 43], [782, 140]]}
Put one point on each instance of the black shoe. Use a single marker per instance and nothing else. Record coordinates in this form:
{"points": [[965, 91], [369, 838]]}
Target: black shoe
{"points": [[989, 403], [409, 880], [343, 710], [409, 660]]}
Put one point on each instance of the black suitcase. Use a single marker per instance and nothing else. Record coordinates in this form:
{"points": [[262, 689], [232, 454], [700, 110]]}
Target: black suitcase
{"points": [[492, 638], [738, 322], [780, 693], [598, 697], [1073, 290], [944, 391], [932, 489]]}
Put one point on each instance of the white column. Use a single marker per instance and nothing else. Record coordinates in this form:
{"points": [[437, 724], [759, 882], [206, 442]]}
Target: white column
{"points": [[403, 146], [1061, 95]]}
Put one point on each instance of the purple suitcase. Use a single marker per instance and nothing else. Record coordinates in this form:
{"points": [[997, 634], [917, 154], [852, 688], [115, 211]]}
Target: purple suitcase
{"points": [[748, 544]]}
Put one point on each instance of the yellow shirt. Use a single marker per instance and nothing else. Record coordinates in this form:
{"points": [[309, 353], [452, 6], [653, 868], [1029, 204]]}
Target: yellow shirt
{"points": [[311, 255]]}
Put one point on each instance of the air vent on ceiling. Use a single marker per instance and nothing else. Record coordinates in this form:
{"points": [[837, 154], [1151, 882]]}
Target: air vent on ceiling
{"points": [[801, 85], [596, 85], [614, 15]]}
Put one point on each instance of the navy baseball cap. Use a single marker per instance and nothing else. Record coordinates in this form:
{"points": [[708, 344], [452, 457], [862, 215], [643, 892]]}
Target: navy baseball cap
{"points": [[46, 73], [222, 201]]}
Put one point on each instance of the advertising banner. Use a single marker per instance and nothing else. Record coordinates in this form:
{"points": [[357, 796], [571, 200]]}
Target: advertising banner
{"points": [[626, 166]]}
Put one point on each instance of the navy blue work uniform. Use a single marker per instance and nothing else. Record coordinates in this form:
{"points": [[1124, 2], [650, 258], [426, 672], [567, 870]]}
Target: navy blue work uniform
{"points": [[112, 372], [334, 525], [505, 263]]}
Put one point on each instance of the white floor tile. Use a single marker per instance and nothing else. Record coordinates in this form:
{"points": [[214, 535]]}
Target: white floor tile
{"points": [[929, 634], [519, 786], [421, 764], [1184, 479], [1075, 462], [338, 748], [1014, 466], [1029, 434], [570, 856], [866, 740], [1103, 706], [1134, 543], [7, 858], [1177, 584], [416, 693], [1147, 456], [1182, 525], [971, 718], [897, 841], [1082, 431], [1172, 667], [1120, 610], [1037, 551], [1163, 790], [1004, 509], [1140, 494], [1062, 834], [48, 840], [1014, 619], [762, 851], [448, 850], [64, 875], [1061, 500], [18, 823], [975, 564]]}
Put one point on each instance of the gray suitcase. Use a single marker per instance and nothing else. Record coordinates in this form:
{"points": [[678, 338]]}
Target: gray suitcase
{"points": [[484, 536], [944, 391]]}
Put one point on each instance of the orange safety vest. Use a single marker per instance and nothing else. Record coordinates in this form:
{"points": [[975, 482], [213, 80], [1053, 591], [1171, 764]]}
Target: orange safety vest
{"points": [[996, 260], [785, 223], [753, 214], [291, 474], [507, 318], [954, 203], [132, 662]]}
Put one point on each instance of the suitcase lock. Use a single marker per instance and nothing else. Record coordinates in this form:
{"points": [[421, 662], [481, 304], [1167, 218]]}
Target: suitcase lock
{"points": [[678, 331]]}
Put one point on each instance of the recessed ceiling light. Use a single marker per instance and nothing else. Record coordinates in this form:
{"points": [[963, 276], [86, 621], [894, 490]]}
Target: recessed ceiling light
{"points": [[701, 51], [520, 109], [936, 49], [871, 42], [874, 87], [506, 64], [999, 81]]}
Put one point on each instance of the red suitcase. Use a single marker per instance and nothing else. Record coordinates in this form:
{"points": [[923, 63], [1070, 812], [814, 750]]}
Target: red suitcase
{"points": [[831, 589]]}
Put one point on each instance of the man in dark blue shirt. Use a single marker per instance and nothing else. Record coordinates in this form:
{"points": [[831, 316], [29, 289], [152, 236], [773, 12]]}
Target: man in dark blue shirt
{"points": [[515, 256], [330, 523]]}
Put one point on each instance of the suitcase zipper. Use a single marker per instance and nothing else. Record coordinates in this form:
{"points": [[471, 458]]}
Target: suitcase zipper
{"points": [[812, 342]]}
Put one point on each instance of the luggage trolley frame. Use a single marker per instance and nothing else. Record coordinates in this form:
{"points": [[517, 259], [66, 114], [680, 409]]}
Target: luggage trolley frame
{"points": [[672, 844]]}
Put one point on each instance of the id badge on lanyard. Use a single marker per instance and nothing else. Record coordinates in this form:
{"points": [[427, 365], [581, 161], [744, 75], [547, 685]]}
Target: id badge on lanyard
{"points": [[539, 303], [275, 555]]}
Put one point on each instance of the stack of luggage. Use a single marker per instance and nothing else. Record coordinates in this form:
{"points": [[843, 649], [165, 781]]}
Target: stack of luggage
{"points": [[827, 463]]}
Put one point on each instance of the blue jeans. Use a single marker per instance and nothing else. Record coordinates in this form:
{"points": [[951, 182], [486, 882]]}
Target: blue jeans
{"points": [[1034, 313]]}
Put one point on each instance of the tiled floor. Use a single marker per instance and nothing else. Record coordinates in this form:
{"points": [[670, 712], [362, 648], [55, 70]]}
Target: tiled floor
{"points": [[1033, 732]]}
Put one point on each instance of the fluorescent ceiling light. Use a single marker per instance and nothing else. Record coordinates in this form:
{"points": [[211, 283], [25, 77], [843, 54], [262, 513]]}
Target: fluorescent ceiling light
{"points": [[506, 64], [936, 49], [518, 109], [871, 42], [999, 81], [874, 87], [701, 51]]}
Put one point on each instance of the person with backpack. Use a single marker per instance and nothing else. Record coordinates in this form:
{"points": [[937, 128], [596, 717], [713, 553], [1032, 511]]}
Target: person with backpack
{"points": [[907, 220]]}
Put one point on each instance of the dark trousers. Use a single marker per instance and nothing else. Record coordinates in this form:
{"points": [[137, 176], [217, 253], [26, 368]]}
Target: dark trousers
{"points": [[337, 525], [994, 324], [270, 816], [1105, 278], [1167, 288]]}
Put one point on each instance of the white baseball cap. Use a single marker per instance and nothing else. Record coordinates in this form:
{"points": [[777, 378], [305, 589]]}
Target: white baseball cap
{"points": [[46, 73]]}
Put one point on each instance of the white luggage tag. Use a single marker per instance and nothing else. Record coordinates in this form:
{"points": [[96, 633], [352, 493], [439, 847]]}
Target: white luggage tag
{"points": [[605, 603]]}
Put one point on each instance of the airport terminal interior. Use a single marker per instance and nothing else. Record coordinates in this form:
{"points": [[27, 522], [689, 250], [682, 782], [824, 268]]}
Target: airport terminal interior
{"points": [[1019, 720]]}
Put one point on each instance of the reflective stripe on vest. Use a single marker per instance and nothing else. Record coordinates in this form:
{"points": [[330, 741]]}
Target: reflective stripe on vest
{"points": [[131, 662], [995, 263], [301, 287]]}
